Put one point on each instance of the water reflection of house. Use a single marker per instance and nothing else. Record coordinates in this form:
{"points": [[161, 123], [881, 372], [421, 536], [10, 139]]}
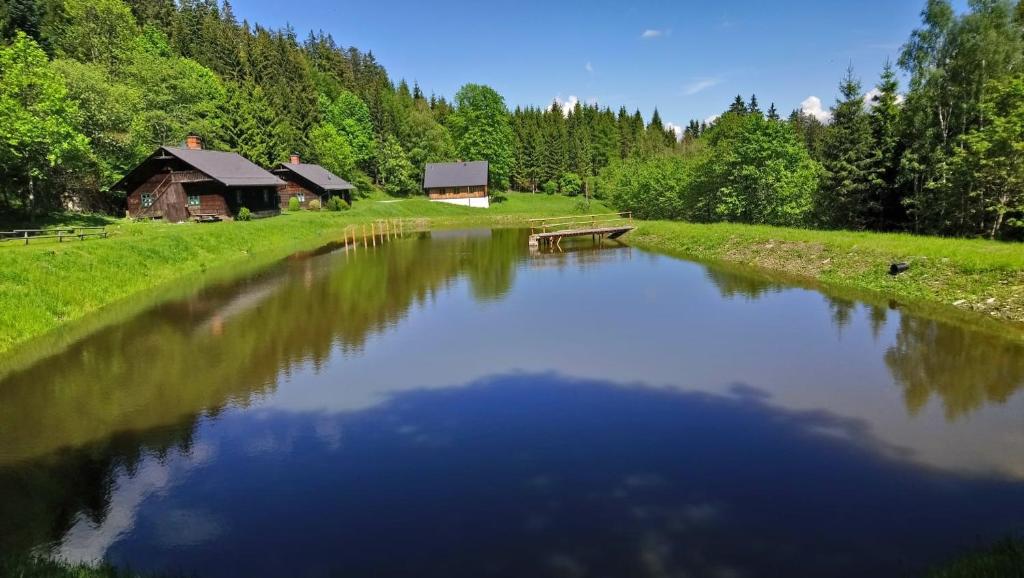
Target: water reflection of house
{"points": [[306, 182], [462, 183], [176, 184]]}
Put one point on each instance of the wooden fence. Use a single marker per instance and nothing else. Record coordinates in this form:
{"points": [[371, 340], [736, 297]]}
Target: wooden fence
{"points": [[580, 222], [59, 233]]}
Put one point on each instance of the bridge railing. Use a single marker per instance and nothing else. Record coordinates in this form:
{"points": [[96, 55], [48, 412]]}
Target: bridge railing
{"points": [[577, 222]]}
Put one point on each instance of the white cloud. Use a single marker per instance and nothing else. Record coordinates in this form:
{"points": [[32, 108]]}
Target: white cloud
{"points": [[652, 33], [869, 97], [711, 118], [678, 130], [700, 85], [812, 106], [589, 67], [567, 104]]}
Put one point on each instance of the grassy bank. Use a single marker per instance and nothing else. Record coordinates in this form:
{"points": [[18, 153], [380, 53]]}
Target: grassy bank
{"points": [[983, 277], [46, 285]]}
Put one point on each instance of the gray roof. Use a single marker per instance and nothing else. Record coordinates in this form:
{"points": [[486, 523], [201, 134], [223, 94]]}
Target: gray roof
{"points": [[317, 175], [230, 169], [469, 174]]}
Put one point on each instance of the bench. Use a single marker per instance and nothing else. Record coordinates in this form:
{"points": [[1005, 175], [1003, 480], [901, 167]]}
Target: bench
{"points": [[200, 217]]}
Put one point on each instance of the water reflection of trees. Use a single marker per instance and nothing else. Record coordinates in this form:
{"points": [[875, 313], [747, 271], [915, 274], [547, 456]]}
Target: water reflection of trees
{"points": [[731, 284], [965, 369], [139, 387]]}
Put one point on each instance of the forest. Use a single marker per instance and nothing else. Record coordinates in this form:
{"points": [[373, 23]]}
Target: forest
{"points": [[88, 88]]}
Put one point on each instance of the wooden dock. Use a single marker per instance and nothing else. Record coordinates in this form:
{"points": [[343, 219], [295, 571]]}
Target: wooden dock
{"points": [[551, 231]]}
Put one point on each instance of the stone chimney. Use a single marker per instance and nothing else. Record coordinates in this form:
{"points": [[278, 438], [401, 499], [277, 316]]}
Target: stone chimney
{"points": [[295, 159], [194, 142]]}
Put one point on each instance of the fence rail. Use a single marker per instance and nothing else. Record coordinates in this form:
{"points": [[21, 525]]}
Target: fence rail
{"points": [[580, 222], [59, 233]]}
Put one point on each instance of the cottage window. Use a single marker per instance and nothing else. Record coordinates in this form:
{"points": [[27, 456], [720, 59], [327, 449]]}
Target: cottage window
{"points": [[266, 196], [147, 200], [301, 197], [193, 200]]}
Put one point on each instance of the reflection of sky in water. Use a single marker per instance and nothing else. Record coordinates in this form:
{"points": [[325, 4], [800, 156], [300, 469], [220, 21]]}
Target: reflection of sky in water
{"points": [[657, 320], [541, 475], [642, 424]]}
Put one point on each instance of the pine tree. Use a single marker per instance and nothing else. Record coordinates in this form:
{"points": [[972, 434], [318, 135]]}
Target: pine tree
{"points": [[885, 119], [738, 106], [753, 106], [773, 114], [845, 199]]}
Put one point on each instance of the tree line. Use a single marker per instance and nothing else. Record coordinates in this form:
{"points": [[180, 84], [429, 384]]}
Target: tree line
{"points": [[88, 88], [945, 156]]}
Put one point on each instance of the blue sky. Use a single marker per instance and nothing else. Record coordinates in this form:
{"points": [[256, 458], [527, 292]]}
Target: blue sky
{"points": [[688, 58]]}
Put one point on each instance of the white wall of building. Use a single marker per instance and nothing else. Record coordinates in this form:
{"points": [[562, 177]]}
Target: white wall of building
{"points": [[475, 202]]}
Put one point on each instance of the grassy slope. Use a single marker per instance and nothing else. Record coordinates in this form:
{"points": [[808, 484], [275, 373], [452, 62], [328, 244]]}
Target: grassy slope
{"points": [[45, 285], [977, 275]]}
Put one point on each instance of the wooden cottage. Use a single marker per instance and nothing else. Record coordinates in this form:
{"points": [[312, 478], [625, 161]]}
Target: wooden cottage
{"points": [[461, 183], [177, 184], [307, 182]]}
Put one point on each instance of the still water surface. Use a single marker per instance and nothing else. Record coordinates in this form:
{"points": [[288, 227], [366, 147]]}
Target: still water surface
{"points": [[451, 405]]}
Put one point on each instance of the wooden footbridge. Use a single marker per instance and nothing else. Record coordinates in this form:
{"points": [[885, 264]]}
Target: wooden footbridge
{"points": [[550, 231]]}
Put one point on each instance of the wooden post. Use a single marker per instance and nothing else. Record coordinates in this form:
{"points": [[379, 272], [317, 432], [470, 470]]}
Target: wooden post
{"points": [[364, 234], [26, 237], [373, 234]]}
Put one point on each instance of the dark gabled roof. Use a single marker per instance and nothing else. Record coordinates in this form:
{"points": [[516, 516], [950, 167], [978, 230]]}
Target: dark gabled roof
{"points": [[230, 169], [317, 175], [471, 174]]}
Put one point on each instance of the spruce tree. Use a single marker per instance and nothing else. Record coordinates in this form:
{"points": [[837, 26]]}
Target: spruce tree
{"points": [[773, 114], [845, 199], [885, 121], [738, 106], [753, 107]]}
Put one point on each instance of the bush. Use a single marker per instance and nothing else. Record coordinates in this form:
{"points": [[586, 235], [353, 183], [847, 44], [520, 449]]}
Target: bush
{"points": [[314, 205], [244, 214], [294, 204], [571, 184], [336, 204], [550, 187]]}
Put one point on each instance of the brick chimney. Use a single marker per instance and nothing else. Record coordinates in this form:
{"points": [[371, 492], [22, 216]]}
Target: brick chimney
{"points": [[295, 159], [194, 142]]}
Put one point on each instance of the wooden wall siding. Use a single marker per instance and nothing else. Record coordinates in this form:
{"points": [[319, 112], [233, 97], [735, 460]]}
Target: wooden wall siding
{"points": [[190, 177], [253, 198], [458, 192], [170, 201], [292, 188]]}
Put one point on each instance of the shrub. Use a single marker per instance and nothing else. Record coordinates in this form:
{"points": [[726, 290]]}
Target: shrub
{"points": [[294, 204], [550, 187], [336, 204], [571, 184], [244, 214], [314, 205]]}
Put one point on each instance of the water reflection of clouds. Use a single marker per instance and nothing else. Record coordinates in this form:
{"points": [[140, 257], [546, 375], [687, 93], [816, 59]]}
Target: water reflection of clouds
{"points": [[536, 471], [87, 541], [785, 340]]}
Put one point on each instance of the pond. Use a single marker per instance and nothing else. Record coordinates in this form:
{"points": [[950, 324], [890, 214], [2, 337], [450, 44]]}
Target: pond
{"points": [[451, 405]]}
